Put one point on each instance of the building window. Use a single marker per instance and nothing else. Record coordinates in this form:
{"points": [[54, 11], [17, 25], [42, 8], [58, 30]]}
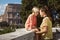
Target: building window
{"points": [[10, 15], [16, 15], [10, 21]]}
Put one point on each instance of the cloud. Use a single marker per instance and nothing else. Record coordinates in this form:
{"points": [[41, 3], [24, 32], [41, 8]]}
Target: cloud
{"points": [[16, 3], [2, 8]]}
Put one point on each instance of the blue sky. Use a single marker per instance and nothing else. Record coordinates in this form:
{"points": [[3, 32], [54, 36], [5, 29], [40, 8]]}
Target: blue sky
{"points": [[3, 4]]}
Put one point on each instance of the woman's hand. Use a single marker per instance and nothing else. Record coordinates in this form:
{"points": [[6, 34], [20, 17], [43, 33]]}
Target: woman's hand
{"points": [[38, 32], [35, 30]]}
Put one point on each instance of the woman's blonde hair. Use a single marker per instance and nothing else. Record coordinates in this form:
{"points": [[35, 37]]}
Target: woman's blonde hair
{"points": [[35, 9]]}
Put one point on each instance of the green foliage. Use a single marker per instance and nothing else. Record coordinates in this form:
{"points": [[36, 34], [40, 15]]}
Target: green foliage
{"points": [[6, 30], [54, 3], [27, 6]]}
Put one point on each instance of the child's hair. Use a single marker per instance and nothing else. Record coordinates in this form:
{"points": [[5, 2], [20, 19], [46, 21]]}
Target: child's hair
{"points": [[35, 9], [46, 12]]}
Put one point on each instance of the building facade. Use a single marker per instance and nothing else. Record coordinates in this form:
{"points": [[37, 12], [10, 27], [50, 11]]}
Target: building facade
{"points": [[12, 14], [1, 18]]}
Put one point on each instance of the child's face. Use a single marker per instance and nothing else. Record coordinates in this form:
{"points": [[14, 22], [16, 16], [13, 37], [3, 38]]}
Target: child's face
{"points": [[36, 13]]}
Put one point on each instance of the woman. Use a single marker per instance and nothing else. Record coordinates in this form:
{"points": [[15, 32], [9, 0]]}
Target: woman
{"points": [[46, 25], [31, 22]]}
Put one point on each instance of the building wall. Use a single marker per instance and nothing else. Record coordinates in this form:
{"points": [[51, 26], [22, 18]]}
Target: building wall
{"points": [[12, 14], [0, 18]]}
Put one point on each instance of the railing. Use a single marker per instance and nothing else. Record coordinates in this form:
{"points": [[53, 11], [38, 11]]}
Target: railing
{"points": [[22, 34], [19, 34]]}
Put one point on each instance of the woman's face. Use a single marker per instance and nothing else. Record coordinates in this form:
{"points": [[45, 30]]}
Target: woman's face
{"points": [[41, 13]]}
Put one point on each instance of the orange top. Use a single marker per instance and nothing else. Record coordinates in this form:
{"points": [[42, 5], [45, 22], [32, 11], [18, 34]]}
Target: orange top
{"points": [[31, 22]]}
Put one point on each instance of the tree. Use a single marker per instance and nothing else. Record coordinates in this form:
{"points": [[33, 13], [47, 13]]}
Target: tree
{"points": [[54, 3], [27, 5]]}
